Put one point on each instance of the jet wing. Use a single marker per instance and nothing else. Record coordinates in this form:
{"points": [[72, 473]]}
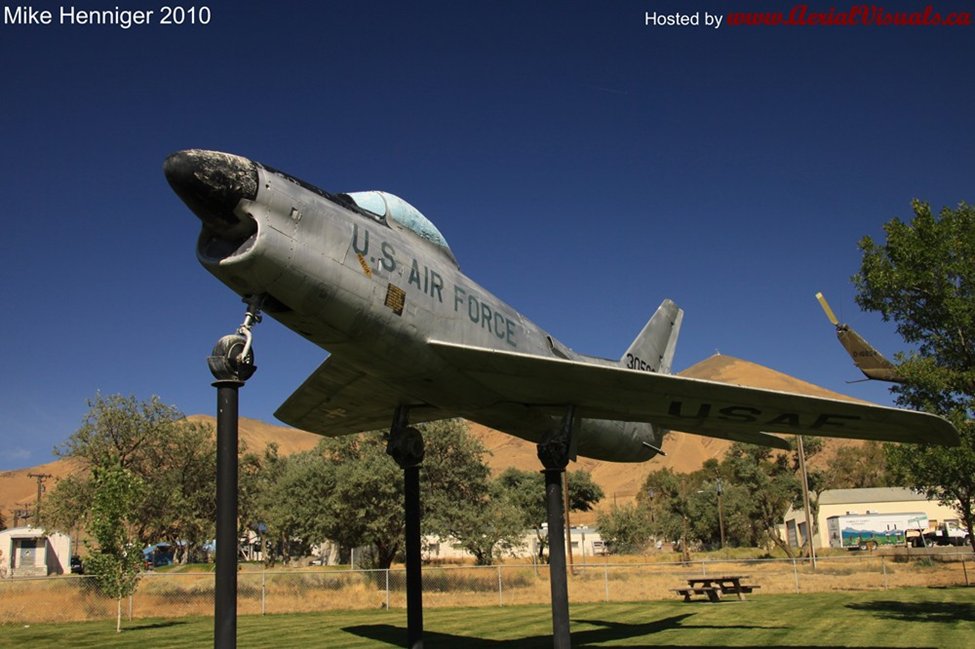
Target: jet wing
{"points": [[761, 439], [679, 403], [339, 399]]}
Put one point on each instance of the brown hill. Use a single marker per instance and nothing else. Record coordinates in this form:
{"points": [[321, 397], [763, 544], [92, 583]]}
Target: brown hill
{"points": [[18, 490], [620, 482], [255, 435]]}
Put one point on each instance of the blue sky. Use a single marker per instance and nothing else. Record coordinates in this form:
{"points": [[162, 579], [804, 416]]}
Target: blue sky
{"points": [[582, 166]]}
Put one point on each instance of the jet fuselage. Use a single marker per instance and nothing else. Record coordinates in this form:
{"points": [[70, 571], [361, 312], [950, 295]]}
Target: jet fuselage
{"points": [[363, 285]]}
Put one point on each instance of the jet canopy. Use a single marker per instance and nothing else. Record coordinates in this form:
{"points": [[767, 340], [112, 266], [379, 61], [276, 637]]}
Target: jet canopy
{"points": [[396, 211]]}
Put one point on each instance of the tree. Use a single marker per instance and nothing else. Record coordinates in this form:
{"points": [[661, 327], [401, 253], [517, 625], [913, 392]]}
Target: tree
{"points": [[116, 560], [365, 504], [119, 429], [175, 460], [526, 490], [294, 504], [625, 529], [460, 500], [180, 507], [769, 479], [665, 495], [256, 477], [923, 279], [857, 467], [350, 491]]}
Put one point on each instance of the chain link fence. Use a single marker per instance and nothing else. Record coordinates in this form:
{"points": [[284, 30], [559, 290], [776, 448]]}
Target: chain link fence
{"points": [[265, 592]]}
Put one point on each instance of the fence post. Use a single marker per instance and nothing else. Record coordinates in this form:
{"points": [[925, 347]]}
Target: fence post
{"points": [[606, 579], [883, 569], [500, 597], [795, 570], [263, 590], [964, 569], [387, 589]]}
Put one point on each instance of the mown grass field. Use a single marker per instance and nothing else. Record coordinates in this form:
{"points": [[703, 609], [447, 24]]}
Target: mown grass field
{"points": [[908, 617]]}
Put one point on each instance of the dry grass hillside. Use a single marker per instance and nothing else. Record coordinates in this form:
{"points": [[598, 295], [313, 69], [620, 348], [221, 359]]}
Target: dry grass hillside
{"points": [[620, 482], [18, 491], [256, 435]]}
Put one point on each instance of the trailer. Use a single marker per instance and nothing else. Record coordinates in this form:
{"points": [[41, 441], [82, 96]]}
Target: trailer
{"points": [[868, 531]]}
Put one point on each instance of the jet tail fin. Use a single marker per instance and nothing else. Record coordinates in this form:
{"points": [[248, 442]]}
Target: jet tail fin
{"points": [[653, 349], [868, 360]]}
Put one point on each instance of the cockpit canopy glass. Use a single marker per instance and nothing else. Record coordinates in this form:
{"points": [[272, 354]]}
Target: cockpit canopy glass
{"points": [[395, 209]]}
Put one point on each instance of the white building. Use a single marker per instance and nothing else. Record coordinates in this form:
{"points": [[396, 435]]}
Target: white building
{"points": [[586, 542], [881, 500], [31, 552]]}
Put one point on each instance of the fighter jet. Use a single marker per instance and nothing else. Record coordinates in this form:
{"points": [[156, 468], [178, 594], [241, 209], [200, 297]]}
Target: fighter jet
{"points": [[868, 360], [367, 277]]}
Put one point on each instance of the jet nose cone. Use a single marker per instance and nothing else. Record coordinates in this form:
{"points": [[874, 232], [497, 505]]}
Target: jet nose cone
{"points": [[211, 184]]}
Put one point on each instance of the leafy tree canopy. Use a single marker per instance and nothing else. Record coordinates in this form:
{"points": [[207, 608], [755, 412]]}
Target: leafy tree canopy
{"points": [[350, 491], [625, 529], [526, 490], [922, 277], [173, 458], [116, 559]]}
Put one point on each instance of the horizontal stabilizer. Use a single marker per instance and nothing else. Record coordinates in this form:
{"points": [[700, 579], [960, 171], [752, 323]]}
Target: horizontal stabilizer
{"points": [[868, 360]]}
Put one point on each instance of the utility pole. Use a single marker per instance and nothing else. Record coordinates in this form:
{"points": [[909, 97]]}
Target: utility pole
{"points": [[720, 488], [805, 500], [40, 477]]}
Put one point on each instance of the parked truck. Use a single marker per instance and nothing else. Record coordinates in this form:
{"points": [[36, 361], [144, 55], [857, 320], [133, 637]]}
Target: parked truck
{"points": [[868, 531], [947, 533]]}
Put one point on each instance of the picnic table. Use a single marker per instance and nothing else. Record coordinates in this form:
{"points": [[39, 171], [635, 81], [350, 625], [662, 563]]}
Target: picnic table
{"points": [[715, 587]]}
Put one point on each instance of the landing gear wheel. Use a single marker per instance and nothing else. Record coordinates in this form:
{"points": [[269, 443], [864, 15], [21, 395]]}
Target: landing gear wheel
{"points": [[226, 363]]}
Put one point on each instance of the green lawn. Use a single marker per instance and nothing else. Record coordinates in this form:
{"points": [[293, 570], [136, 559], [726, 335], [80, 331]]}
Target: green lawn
{"points": [[916, 618]]}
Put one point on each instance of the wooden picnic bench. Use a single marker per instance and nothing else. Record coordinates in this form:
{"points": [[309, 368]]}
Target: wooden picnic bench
{"points": [[712, 592], [715, 587]]}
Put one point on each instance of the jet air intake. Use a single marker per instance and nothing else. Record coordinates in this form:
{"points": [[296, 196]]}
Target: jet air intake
{"points": [[212, 184]]}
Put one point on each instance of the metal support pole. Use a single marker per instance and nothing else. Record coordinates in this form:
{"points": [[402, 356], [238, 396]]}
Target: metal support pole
{"points": [[225, 595], [414, 577], [556, 562], [554, 453], [500, 591], [405, 445], [231, 363]]}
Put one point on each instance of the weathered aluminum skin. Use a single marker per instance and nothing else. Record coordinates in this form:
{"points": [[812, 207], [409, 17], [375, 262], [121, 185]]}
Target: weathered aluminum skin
{"points": [[404, 326]]}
